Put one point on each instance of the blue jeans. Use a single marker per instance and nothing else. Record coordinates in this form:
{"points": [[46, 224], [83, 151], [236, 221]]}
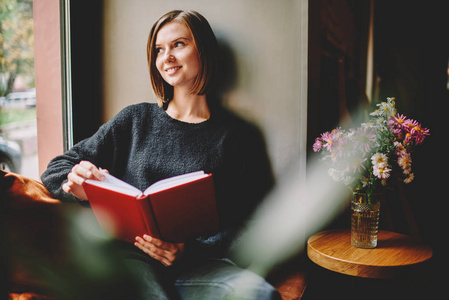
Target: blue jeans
{"points": [[208, 279]]}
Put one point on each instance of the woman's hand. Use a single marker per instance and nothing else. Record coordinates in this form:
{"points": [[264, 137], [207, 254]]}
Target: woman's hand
{"points": [[79, 173], [165, 252]]}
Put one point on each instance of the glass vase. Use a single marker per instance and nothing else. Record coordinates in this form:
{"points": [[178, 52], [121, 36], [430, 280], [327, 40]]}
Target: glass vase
{"points": [[365, 210]]}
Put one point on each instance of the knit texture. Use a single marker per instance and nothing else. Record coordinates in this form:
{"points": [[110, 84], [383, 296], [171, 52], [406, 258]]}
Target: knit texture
{"points": [[143, 144]]}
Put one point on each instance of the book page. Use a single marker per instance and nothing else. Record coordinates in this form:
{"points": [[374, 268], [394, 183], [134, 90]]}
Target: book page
{"points": [[115, 184], [174, 181]]}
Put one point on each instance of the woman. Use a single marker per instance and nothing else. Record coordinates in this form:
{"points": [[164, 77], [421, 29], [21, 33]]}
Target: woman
{"points": [[187, 131]]}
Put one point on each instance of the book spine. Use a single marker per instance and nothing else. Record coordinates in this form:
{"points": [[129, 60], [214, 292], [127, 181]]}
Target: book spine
{"points": [[147, 215]]}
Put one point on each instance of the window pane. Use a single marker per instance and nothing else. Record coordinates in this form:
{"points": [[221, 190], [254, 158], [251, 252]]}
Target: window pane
{"points": [[18, 134]]}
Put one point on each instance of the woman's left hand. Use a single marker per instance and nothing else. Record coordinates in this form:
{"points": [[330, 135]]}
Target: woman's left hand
{"points": [[165, 252]]}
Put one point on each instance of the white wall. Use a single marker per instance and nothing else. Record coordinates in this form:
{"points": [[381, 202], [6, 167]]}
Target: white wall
{"points": [[268, 39]]}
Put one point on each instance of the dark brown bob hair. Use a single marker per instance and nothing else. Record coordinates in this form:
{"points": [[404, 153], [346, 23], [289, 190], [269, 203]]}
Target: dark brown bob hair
{"points": [[206, 45]]}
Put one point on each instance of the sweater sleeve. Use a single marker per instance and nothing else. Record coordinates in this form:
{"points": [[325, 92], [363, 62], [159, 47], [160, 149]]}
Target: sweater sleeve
{"points": [[101, 149]]}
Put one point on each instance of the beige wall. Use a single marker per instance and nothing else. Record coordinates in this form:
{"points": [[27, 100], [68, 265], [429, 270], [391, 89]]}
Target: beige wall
{"points": [[269, 42]]}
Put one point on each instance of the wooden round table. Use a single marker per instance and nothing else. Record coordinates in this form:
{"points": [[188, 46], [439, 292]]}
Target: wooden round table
{"points": [[395, 254]]}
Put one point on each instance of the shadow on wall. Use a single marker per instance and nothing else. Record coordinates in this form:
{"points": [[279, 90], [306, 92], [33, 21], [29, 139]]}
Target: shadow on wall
{"points": [[227, 69]]}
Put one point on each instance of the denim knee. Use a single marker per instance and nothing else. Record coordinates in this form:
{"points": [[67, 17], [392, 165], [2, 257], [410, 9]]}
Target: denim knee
{"points": [[218, 279]]}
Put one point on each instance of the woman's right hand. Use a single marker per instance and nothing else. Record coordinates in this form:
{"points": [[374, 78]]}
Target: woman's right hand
{"points": [[79, 173]]}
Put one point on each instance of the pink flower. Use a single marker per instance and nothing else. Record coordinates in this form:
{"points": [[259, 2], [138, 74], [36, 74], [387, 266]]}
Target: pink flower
{"points": [[328, 138], [397, 125], [415, 133], [344, 147], [364, 139], [367, 157], [357, 164], [419, 133], [317, 145], [399, 120], [409, 124]]}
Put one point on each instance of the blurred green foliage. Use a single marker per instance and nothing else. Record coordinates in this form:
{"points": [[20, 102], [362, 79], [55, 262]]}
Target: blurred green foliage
{"points": [[13, 115], [16, 43]]}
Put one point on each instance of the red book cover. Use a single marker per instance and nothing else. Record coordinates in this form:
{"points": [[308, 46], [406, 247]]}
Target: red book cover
{"points": [[174, 209]]}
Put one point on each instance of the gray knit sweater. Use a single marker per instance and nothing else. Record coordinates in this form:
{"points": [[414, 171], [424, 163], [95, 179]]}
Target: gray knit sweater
{"points": [[143, 144]]}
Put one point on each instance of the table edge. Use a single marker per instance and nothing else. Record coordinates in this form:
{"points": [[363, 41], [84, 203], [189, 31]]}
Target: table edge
{"points": [[357, 269]]}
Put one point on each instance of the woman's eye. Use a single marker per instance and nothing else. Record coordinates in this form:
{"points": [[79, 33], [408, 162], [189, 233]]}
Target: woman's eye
{"points": [[159, 50], [179, 44]]}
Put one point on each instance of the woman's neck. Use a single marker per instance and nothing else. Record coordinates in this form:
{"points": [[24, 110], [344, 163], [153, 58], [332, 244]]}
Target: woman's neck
{"points": [[188, 108]]}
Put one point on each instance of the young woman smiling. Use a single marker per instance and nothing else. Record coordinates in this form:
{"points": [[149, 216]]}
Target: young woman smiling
{"points": [[186, 131]]}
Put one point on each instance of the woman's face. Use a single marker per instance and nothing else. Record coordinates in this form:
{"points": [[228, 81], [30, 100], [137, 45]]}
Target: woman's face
{"points": [[177, 57]]}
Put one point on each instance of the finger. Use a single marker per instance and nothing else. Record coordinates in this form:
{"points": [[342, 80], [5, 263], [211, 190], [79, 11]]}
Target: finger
{"points": [[166, 250], [66, 188], [74, 178], [150, 246], [153, 252], [80, 171], [171, 250], [91, 171], [159, 243]]}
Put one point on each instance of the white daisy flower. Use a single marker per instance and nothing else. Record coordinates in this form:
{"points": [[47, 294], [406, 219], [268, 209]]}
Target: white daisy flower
{"points": [[405, 161], [379, 159], [381, 172]]}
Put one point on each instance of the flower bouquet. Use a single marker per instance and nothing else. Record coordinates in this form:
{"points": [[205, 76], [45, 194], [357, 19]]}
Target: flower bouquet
{"points": [[374, 156]]}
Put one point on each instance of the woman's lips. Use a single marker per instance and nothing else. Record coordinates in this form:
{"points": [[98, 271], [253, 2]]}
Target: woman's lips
{"points": [[172, 70]]}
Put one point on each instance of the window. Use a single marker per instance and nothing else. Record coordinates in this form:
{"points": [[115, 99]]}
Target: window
{"points": [[18, 129]]}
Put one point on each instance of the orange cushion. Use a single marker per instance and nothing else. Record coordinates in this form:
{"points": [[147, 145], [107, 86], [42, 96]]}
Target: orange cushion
{"points": [[24, 192], [33, 226], [29, 296]]}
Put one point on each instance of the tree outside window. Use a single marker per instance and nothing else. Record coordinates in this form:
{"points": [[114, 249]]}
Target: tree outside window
{"points": [[18, 143]]}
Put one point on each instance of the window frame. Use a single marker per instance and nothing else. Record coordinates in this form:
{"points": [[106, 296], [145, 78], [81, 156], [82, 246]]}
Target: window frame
{"points": [[48, 78], [67, 74]]}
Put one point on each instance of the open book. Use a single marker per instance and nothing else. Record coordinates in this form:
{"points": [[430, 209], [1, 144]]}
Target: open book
{"points": [[175, 209]]}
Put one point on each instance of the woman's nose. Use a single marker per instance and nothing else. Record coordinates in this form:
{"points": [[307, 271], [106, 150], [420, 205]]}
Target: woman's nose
{"points": [[169, 56]]}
